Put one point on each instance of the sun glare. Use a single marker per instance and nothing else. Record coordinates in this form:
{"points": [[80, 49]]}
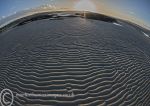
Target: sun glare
{"points": [[85, 5]]}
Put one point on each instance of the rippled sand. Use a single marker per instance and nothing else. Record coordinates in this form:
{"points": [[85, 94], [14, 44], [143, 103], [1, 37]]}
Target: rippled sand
{"points": [[94, 62]]}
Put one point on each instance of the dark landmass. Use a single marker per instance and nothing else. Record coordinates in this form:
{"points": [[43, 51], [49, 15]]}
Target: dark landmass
{"points": [[100, 17]]}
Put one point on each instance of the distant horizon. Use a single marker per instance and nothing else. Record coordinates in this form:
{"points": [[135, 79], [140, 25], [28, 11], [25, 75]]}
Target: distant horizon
{"points": [[30, 12], [134, 11]]}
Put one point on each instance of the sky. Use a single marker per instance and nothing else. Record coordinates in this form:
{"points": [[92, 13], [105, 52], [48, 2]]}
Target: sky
{"points": [[133, 10]]}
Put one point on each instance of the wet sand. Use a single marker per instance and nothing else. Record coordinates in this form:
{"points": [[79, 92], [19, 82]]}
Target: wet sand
{"points": [[98, 62]]}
